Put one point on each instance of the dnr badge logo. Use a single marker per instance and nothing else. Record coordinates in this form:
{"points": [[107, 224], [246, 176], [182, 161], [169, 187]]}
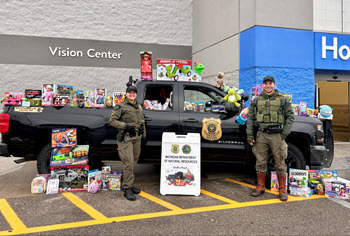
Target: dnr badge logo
{"points": [[175, 148], [211, 129]]}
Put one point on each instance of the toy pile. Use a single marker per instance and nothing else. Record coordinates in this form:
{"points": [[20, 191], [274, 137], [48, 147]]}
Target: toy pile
{"points": [[304, 183], [70, 169], [57, 95], [156, 105]]}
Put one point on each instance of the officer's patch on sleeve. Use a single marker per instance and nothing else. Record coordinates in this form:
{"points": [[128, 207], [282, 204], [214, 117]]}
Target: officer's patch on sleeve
{"points": [[116, 107]]}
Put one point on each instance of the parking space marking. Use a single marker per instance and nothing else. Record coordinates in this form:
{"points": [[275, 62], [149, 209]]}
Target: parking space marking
{"points": [[84, 206], [11, 217], [159, 201], [19, 228], [221, 198], [250, 186]]}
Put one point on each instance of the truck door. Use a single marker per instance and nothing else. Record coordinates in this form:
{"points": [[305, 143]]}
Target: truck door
{"points": [[160, 108], [221, 137]]}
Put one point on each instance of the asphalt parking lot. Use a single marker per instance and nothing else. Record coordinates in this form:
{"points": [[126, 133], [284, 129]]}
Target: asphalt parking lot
{"points": [[224, 207]]}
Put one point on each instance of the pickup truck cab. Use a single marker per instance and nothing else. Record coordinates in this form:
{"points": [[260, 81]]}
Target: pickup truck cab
{"points": [[29, 133]]}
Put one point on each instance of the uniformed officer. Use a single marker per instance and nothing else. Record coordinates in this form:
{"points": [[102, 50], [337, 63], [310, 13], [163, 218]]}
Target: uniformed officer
{"points": [[272, 115], [128, 118]]}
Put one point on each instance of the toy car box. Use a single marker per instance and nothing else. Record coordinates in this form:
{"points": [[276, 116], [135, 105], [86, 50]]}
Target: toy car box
{"points": [[70, 156], [12, 98], [64, 138], [337, 188], [316, 176]]}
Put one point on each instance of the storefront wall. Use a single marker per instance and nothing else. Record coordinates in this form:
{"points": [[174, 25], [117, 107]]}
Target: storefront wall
{"points": [[28, 29]]}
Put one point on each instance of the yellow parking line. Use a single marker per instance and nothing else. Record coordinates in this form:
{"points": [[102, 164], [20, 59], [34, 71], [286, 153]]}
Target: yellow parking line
{"points": [[213, 195], [11, 217], [84, 206], [159, 201]]}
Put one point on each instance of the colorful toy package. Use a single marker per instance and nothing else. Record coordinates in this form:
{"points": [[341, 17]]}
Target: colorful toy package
{"points": [[39, 183], [89, 98], [178, 70], [298, 178], [100, 97], [63, 90], [52, 186], [274, 181], [69, 156], [11, 98], [288, 96], [302, 109], [114, 181], [303, 192], [118, 97], [71, 178], [30, 93], [48, 94], [337, 188], [33, 102], [64, 137], [146, 65], [61, 101], [95, 175], [73, 98], [316, 176]]}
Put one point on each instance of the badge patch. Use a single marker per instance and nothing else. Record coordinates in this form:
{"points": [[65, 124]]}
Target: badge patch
{"points": [[175, 148], [186, 149], [211, 129]]}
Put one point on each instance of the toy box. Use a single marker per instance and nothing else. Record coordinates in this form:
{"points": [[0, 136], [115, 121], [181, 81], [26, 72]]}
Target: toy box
{"points": [[39, 183], [61, 101], [114, 181], [288, 96], [70, 156], [316, 176], [81, 99], [302, 109], [47, 94], [11, 98], [303, 192], [146, 65], [118, 97], [100, 97], [274, 181], [95, 175], [30, 93], [52, 186], [337, 188], [71, 178], [298, 178], [89, 98], [64, 138], [63, 90], [178, 70]]}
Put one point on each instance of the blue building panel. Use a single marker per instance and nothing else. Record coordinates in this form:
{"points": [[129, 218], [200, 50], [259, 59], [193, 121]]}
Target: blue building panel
{"points": [[247, 48]]}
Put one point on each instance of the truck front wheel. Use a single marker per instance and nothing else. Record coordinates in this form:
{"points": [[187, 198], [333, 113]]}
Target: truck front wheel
{"points": [[43, 159]]}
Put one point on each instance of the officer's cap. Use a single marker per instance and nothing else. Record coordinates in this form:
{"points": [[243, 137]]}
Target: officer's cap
{"points": [[131, 88], [269, 78]]}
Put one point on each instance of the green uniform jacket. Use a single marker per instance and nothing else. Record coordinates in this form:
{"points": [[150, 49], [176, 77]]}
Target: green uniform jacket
{"points": [[126, 113], [287, 113]]}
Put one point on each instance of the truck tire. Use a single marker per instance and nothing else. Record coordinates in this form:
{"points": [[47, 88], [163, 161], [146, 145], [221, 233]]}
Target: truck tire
{"points": [[43, 159]]}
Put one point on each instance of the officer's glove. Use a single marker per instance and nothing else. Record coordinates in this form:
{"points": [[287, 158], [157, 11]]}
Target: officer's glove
{"points": [[283, 136], [129, 129]]}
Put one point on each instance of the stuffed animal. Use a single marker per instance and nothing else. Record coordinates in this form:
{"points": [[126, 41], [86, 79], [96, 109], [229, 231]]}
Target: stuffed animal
{"points": [[220, 81], [233, 97]]}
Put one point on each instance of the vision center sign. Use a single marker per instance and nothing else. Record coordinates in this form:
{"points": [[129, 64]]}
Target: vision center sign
{"points": [[90, 53], [332, 51]]}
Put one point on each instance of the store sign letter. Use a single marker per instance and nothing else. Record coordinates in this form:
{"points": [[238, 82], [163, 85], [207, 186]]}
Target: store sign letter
{"points": [[335, 49]]}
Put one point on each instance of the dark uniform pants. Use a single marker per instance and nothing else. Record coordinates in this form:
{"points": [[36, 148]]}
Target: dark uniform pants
{"points": [[129, 153], [279, 149]]}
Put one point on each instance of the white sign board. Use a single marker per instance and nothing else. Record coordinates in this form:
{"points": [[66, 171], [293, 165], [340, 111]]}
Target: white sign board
{"points": [[180, 168]]}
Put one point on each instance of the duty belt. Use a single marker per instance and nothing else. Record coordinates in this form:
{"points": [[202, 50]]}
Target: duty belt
{"points": [[272, 130]]}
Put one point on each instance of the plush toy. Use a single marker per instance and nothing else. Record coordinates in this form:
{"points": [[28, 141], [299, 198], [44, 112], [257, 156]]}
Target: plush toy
{"points": [[220, 81], [233, 97], [198, 67]]}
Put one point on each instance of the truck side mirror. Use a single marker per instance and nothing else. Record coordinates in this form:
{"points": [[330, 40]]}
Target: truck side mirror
{"points": [[231, 108], [245, 97]]}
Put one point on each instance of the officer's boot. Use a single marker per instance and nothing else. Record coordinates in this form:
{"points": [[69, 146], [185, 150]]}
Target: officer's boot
{"points": [[282, 187], [129, 194], [135, 190], [260, 189]]}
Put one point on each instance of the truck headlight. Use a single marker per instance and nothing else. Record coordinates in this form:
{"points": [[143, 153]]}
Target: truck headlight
{"points": [[319, 134]]}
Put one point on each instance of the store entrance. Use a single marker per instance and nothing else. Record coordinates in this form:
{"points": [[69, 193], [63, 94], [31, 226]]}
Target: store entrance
{"points": [[336, 95]]}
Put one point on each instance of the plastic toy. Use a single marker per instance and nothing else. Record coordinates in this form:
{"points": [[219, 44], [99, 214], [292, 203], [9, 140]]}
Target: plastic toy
{"points": [[71, 178], [89, 98], [243, 116], [81, 99], [11, 98], [109, 101], [198, 67], [337, 188], [73, 98], [95, 175], [114, 181], [302, 109], [61, 101], [70, 156], [178, 70], [146, 65], [63, 90], [30, 93], [118, 97], [233, 97], [93, 187], [325, 112], [106, 170], [100, 98], [64, 137], [288, 96], [255, 91], [52, 186], [39, 183], [220, 81], [48, 94]]}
